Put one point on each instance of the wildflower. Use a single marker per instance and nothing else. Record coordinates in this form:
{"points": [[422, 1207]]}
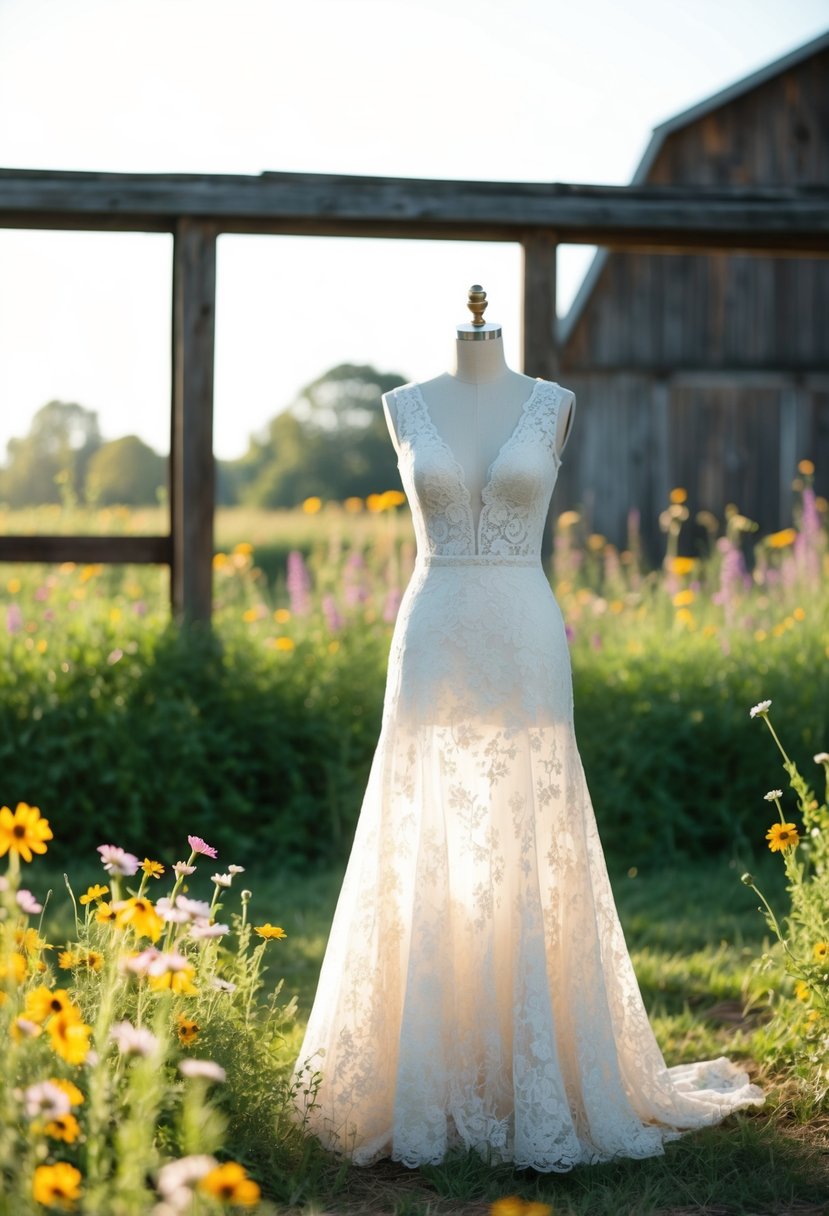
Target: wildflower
{"points": [[133, 1040], [244, 547], [23, 832], [62, 1127], [168, 911], [199, 846], [14, 965], [801, 990], [24, 1028], [281, 615], [154, 869], [820, 951], [117, 861], [222, 985], [93, 892], [270, 931], [45, 1099], [679, 495], [311, 505], [30, 940], [182, 869], [140, 916], [782, 836], [193, 907], [176, 1176], [806, 468], [229, 1183], [208, 1069], [567, 519], [177, 979], [57, 1185], [105, 913], [683, 598], [43, 1002], [284, 644], [235, 869], [69, 1037], [70, 1089], [772, 794], [761, 709], [27, 902], [779, 540], [199, 931], [821, 758], [188, 1029], [681, 565], [222, 880]]}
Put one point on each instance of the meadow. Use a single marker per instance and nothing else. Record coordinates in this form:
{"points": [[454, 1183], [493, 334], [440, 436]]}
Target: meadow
{"points": [[254, 740]]}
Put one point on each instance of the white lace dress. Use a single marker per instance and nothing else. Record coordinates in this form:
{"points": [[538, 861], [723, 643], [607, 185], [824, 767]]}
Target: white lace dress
{"points": [[476, 988]]}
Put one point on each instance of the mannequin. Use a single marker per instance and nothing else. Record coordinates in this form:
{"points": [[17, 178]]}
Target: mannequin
{"points": [[476, 406]]}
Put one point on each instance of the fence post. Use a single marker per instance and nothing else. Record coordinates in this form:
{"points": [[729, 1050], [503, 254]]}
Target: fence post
{"points": [[192, 476], [539, 313]]}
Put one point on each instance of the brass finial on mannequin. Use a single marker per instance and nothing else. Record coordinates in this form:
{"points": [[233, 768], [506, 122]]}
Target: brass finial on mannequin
{"points": [[476, 302]]}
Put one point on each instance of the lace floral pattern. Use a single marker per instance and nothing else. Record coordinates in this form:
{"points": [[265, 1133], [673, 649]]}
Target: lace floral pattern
{"points": [[477, 990]]}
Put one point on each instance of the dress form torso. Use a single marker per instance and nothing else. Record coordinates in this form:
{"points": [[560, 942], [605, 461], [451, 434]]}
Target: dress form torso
{"points": [[476, 408]]}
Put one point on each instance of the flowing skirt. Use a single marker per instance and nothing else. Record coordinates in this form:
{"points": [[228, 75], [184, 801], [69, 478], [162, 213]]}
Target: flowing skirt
{"points": [[477, 989]]}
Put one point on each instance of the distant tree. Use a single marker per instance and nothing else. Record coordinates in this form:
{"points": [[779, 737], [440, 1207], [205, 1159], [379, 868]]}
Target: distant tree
{"points": [[332, 441], [49, 464], [125, 471]]}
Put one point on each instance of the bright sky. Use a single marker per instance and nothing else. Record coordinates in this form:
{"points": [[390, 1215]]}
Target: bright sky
{"points": [[530, 90]]}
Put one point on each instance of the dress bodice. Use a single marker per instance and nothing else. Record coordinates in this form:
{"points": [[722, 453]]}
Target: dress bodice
{"points": [[517, 488]]}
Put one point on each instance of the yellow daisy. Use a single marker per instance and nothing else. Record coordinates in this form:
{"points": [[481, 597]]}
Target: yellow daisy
{"points": [[270, 931], [141, 916], [229, 1183], [69, 1037], [24, 832], [93, 892], [782, 836], [57, 1186]]}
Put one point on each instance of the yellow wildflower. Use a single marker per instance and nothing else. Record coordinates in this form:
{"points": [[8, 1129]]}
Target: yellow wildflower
{"points": [[270, 931], [153, 868], [188, 1029], [177, 981], [782, 836], [93, 892], [244, 547], [230, 1184], [682, 565], [13, 965], [801, 990], [283, 643], [250, 615], [678, 495], [374, 502], [69, 1037], [683, 598], [799, 614], [779, 540], [105, 913], [141, 916], [568, 519], [31, 941], [311, 505], [13, 586], [220, 560], [820, 950], [62, 1127], [23, 832], [282, 615], [43, 1002], [57, 1186], [806, 467], [353, 505], [596, 542], [392, 499]]}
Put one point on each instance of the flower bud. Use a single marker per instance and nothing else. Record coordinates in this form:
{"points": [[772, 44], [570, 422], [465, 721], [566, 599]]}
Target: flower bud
{"points": [[748, 879]]}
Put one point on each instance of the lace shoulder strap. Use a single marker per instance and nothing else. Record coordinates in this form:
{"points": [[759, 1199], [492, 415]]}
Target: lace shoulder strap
{"points": [[543, 415]]}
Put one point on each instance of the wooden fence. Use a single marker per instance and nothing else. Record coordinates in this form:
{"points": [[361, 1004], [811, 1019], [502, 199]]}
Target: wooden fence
{"points": [[196, 209]]}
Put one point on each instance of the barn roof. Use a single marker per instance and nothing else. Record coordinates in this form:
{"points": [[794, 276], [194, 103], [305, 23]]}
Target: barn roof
{"points": [[660, 133]]}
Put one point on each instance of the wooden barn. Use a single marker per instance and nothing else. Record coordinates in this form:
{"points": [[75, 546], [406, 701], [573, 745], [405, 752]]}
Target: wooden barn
{"points": [[707, 371]]}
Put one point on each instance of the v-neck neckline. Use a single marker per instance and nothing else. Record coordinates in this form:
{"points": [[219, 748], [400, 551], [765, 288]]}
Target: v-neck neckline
{"points": [[491, 470]]}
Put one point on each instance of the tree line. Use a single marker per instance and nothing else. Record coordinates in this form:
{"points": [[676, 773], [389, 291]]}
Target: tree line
{"points": [[331, 441]]}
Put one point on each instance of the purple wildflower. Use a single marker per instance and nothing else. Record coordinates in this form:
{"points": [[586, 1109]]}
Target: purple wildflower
{"points": [[14, 618], [299, 584], [333, 616], [392, 605]]}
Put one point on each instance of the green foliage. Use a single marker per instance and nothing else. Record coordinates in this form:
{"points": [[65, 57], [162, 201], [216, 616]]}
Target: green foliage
{"points": [[332, 442], [125, 471], [50, 463]]}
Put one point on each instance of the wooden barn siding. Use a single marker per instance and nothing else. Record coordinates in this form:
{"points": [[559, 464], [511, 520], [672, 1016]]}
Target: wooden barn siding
{"points": [[723, 439], [776, 134], [663, 311]]}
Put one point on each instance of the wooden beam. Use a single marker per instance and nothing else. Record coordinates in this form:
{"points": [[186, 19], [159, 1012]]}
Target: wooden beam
{"points": [[127, 550], [786, 219], [192, 476], [538, 320]]}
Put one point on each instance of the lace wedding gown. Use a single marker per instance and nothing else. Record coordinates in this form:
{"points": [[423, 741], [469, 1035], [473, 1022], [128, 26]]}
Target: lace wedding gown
{"points": [[476, 989]]}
